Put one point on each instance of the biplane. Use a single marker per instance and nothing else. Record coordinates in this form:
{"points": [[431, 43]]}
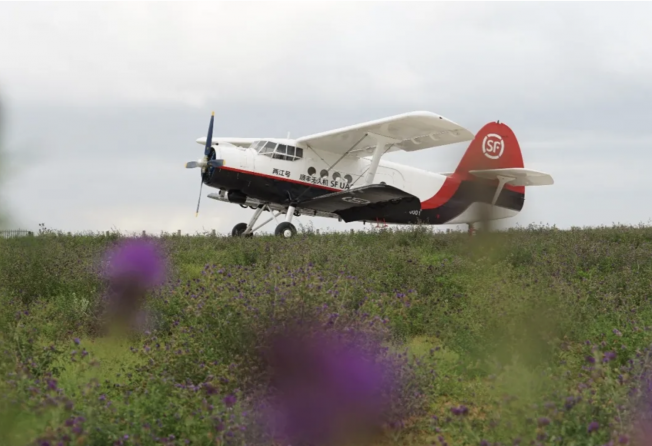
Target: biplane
{"points": [[341, 174]]}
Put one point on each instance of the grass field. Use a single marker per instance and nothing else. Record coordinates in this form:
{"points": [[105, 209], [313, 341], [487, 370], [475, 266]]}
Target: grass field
{"points": [[537, 336]]}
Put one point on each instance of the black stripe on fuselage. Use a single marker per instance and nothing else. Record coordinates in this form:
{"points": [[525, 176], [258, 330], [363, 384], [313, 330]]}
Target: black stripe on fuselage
{"points": [[273, 190], [467, 193], [265, 187]]}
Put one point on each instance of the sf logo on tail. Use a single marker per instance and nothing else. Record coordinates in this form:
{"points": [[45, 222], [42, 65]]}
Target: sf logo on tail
{"points": [[493, 146]]}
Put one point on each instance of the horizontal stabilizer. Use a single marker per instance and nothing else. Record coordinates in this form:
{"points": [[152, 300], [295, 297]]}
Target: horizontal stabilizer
{"points": [[360, 196], [515, 176]]}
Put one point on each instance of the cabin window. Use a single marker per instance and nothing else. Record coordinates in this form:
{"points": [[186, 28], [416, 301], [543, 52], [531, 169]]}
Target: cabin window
{"points": [[257, 145]]}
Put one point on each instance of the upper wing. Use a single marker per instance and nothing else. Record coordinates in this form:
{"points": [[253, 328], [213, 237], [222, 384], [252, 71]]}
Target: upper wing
{"points": [[240, 142], [415, 131]]}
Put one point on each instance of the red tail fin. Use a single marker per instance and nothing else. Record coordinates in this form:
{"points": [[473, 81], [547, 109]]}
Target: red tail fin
{"points": [[494, 147]]}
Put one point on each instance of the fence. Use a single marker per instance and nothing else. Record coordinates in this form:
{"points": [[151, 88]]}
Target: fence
{"points": [[15, 233]]}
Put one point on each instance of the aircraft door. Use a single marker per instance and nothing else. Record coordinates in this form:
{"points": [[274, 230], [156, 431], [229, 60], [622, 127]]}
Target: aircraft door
{"points": [[390, 176]]}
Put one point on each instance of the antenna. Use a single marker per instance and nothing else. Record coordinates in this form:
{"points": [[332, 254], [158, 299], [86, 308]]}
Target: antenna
{"points": [[288, 137]]}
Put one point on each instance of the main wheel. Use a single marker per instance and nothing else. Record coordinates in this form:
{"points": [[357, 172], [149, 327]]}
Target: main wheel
{"points": [[286, 230], [239, 229]]}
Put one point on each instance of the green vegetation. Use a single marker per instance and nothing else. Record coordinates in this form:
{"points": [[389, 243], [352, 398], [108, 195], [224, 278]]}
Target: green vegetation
{"points": [[529, 334]]}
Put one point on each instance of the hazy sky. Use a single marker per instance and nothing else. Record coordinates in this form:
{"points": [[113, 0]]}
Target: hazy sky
{"points": [[104, 101]]}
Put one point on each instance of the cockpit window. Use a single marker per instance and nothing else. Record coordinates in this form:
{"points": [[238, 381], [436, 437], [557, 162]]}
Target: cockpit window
{"points": [[281, 151], [269, 148], [257, 145]]}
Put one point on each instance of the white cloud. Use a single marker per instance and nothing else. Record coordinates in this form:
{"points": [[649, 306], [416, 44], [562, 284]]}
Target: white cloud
{"points": [[338, 54]]}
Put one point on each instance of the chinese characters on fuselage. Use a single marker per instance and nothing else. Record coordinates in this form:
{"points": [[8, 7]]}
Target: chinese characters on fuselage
{"points": [[281, 172], [325, 182]]}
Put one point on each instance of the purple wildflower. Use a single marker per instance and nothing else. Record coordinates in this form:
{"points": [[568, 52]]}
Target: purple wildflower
{"points": [[137, 260], [76, 341], [230, 400], [210, 389], [325, 383], [593, 426], [132, 268], [543, 421], [609, 356]]}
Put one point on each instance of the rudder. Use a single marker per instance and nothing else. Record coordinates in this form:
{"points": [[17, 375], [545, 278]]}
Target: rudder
{"points": [[494, 147]]}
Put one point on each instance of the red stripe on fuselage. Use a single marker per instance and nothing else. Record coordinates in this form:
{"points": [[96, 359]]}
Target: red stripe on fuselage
{"points": [[445, 193], [450, 186]]}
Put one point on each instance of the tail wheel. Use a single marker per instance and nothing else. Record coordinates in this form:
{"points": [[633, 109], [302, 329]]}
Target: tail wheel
{"points": [[239, 229], [286, 230]]}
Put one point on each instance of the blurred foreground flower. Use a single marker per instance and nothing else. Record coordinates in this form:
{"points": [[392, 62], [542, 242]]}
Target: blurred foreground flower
{"points": [[132, 268], [329, 387]]}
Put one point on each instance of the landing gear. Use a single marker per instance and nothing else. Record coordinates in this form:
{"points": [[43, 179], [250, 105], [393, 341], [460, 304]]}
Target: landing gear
{"points": [[286, 229], [471, 230], [247, 230], [239, 229]]}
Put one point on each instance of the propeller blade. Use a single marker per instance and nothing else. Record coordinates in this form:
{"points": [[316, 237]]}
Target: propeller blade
{"points": [[193, 164], [216, 163], [199, 200], [209, 138]]}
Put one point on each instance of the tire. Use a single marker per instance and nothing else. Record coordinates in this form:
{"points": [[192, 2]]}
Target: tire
{"points": [[285, 230], [239, 229]]}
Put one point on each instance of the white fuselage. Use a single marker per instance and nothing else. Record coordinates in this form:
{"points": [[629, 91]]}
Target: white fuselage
{"points": [[326, 169]]}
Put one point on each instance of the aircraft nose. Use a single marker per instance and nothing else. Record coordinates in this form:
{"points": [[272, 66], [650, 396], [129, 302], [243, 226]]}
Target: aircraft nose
{"points": [[217, 161]]}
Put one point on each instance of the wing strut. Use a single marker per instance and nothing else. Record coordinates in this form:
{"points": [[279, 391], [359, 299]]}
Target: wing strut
{"points": [[516, 176], [381, 143], [502, 180]]}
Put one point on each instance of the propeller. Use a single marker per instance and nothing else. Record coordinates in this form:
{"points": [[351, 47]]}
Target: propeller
{"points": [[205, 162]]}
